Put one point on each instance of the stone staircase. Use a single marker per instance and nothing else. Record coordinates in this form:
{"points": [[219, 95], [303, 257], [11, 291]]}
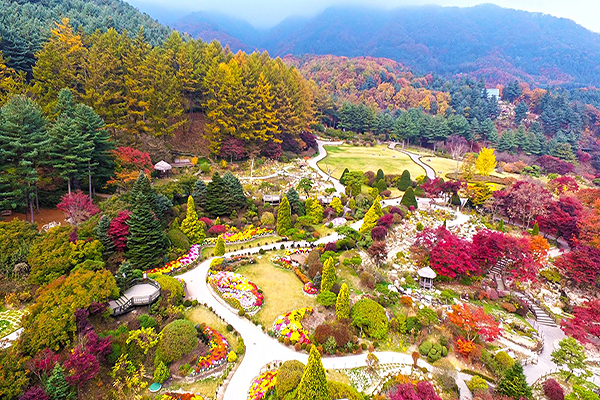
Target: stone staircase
{"points": [[541, 316]]}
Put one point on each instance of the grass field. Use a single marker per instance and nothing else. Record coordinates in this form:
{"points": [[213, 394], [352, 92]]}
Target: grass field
{"points": [[201, 314], [358, 158], [208, 251], [282, 289], [440, 165]]}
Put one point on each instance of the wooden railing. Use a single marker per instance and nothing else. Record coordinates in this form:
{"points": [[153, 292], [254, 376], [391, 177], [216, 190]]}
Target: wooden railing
{"points": [[137, 300]]}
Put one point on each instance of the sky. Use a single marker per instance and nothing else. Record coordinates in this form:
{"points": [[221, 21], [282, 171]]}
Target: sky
{"points": [[267, 13]]}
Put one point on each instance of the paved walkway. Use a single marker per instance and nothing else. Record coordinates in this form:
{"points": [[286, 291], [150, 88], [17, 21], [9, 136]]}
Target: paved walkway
{"points": [[416, 158], [339, 188]]}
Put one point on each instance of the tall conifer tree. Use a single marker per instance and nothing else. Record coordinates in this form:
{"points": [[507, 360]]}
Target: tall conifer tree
{"points": [[147, 242]]}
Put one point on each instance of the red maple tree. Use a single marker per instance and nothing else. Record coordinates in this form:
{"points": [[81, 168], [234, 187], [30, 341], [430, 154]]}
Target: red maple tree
{"points": [[118, 230], [474, 322], [77, 207], [585, 325]]}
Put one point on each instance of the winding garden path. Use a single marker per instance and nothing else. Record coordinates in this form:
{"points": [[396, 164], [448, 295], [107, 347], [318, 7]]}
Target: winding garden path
{"points": [[416, 159]]}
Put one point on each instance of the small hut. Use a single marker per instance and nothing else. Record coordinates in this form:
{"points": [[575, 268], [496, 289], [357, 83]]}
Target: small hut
{"points": [[163, 167], [426, 277]]}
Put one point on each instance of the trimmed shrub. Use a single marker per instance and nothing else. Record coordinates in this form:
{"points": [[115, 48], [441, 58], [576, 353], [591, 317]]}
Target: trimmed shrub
{"points": [[178, 338], [288, 377], [504, 360], [477, 384], [161, 373], [338, 390], [170, 288], [232, 356], [425, 347], [326, 298], [371, 317], [553, 390], [178, 239], [147, 321]]}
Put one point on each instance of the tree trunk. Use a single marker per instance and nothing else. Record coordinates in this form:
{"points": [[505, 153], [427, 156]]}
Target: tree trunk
{"points": [[30, 201], [69, 185], [37, 200]]}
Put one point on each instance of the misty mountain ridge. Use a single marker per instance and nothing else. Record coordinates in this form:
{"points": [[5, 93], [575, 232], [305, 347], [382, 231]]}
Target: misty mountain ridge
{"points": [[488, 41]]}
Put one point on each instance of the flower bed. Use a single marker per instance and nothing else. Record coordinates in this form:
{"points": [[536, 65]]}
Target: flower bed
{"points": [[177, 265], [235, 236], [310, 289], [284, 262], [217, 353], [289, 326], [237, 291], [262, 385], [337, 222], [181, 396], [301, 250]]}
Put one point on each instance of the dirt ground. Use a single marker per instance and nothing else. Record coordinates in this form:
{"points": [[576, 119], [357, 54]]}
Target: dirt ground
{"points": [[45, 216]]}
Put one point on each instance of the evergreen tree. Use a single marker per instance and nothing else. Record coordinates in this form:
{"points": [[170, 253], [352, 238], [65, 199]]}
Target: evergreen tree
{"points": [[234, 192], [220, 247], [343, 177], [536, 229], [191, 226], [284, 217], [101, 234], [381, 185], [72, 148], [101, 163], [507, 142], [342, 303], [142, 187], [124, 276], [514, 383], [315, 210], [199, 193], [23, 143], [520, 112], [328, 277], [404, 181], [409, 199], [295, 202], [372, 216], [215, 192], [56, 385], [489, 131], [571, 355], [379, 175], [313, 384], [147, 242]]}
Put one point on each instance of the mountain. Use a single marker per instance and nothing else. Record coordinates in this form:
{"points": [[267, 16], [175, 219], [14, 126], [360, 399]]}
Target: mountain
{"points": [[235, 33], [487, 41], [25, 25]]}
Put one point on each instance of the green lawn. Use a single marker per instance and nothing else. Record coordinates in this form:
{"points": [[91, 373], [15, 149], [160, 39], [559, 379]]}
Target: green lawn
{"points": [[440, 165], [359, 158], [201, 314], [208, 251], [282, 289]]}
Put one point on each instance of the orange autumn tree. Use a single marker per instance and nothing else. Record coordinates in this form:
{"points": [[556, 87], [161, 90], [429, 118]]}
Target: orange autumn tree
{"points": [[473, 323], [129, 162], [538, 246]]}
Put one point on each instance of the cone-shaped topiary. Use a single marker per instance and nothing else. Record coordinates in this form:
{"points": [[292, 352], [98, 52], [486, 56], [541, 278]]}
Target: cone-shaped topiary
{"points": [[329, 276], [372, 216], [409, 199], [191, 226], [536, 230], [284, 217], [313, 385], [220, 246], [342, 304], [404, 181]]}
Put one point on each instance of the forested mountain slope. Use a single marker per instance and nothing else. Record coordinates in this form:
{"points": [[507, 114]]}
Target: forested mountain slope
{"points": [[487, 41], [25, 25]]}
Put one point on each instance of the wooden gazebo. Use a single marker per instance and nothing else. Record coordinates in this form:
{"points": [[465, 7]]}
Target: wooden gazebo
{"points": [[426, 277]]}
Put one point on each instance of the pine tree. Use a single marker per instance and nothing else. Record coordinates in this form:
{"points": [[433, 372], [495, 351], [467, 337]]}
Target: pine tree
{"points": [[234, 192], [343, 177], [295, 202], [409, 199], [136, 88], [329, 277], [404, 181], [372, 216], [220, 247], [72, 148], [23, 144], [514, 383], [342, 304], [147, 242], [215, 192], [57, 387], [191, 226], [101, 163], [199, 193], [284, 217], [124, 276], [101, 234], [380, 175], [313, 384]]}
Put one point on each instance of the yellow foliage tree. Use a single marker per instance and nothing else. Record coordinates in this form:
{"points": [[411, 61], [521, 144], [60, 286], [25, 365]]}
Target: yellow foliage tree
{"points": [[486, 161]]}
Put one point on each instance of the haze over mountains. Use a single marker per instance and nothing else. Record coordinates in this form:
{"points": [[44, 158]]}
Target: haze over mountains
{"points": [[486, 41]]}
